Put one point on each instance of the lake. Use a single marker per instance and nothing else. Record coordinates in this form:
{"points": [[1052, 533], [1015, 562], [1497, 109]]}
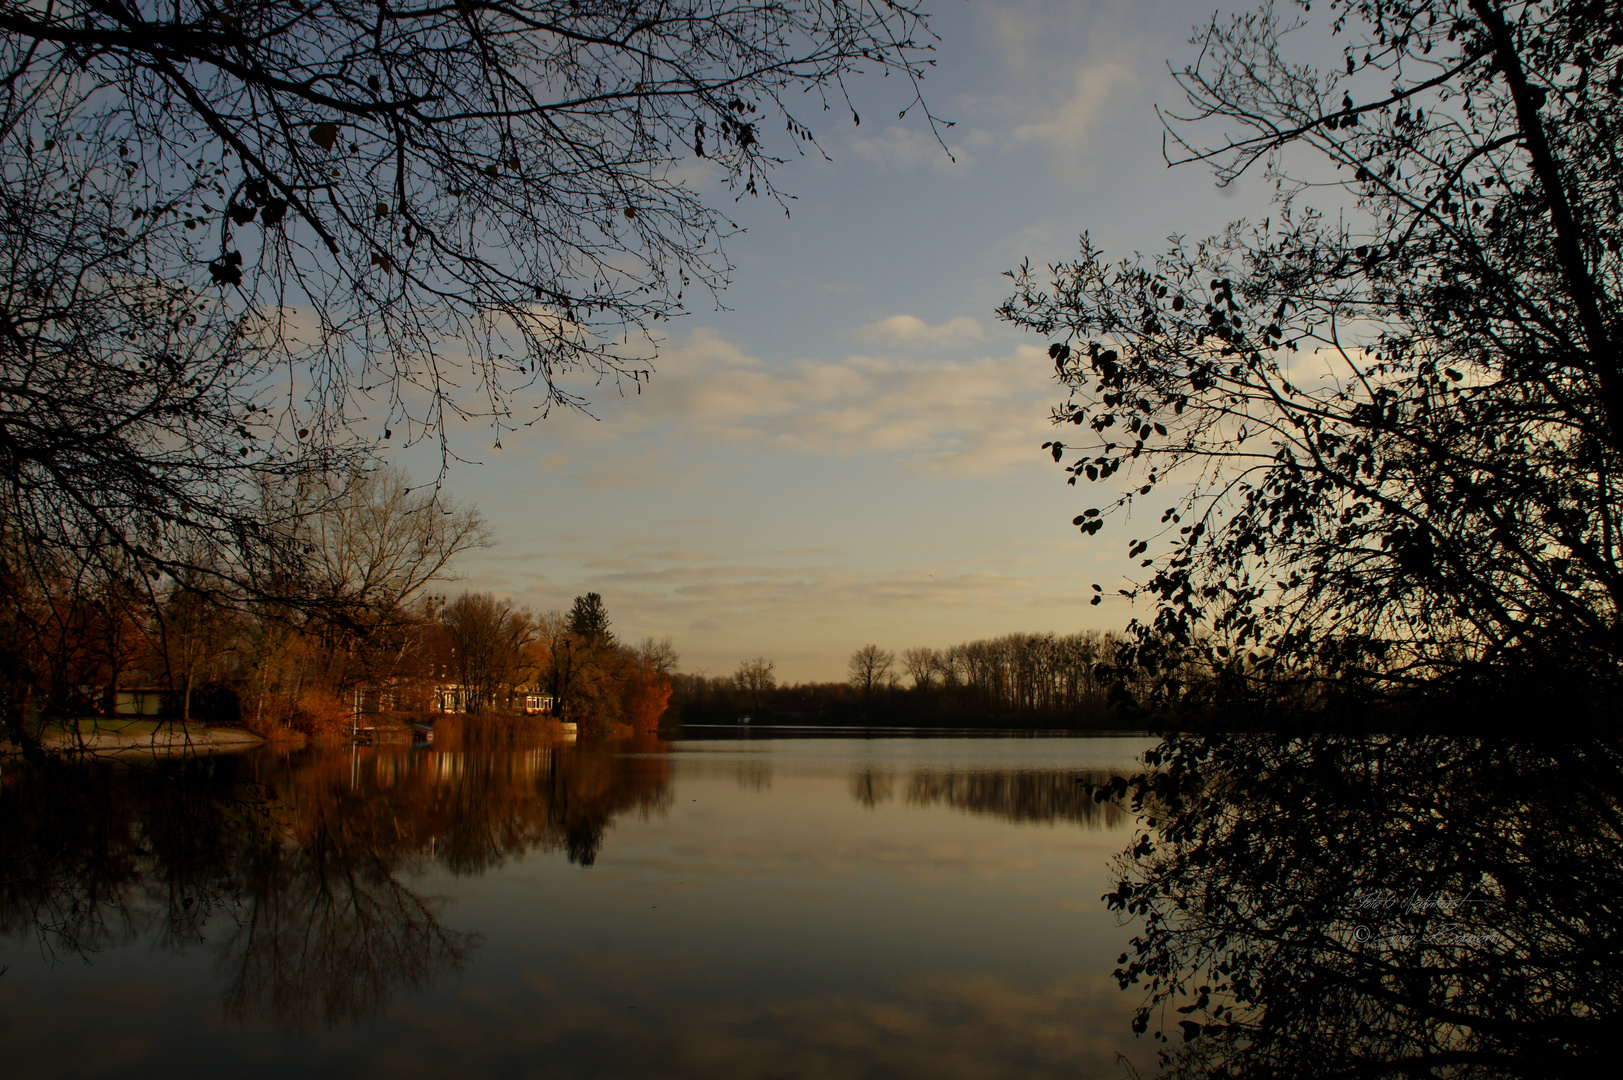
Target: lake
{"points": [[708, 907]]}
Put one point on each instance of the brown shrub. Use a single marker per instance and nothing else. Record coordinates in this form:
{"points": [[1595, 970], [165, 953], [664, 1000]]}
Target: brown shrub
{"points": [[319, 713], [487, 726]]}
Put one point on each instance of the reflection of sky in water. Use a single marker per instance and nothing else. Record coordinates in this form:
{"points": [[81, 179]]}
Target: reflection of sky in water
{"points": [[772, 917]]}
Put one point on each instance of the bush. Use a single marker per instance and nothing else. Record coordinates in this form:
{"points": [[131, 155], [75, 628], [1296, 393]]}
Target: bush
{"points": [[319, 713]]}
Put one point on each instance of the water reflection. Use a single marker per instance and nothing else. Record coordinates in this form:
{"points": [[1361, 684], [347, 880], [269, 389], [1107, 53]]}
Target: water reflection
{"points": [[297, 869], [1021, 795], [1331, 906]]}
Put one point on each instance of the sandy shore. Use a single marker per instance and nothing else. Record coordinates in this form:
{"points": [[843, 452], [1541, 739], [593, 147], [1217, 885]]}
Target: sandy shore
{"points": [[164, 740]]}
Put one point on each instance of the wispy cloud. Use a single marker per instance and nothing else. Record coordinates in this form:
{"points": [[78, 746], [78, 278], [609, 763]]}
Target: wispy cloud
{"points": [[907, 148], [977, 416], [812, 608], [1061, 69], [1065, 126]]}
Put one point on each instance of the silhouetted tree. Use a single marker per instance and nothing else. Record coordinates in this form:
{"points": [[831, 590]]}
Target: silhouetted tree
{"points": [[593, 677], [1392, 429], [375, 542], [755, 681], [589, 620], [869, 668], [195, 638], [659, 655], [921, 665]]}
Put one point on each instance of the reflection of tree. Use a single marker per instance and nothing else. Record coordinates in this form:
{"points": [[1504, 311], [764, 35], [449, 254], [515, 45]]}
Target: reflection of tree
{"points": [[328, 934], [305, 861], [870, 787], [1331, 906], [1017, 795], [1012, 794], [91, 856], [587, 788]]}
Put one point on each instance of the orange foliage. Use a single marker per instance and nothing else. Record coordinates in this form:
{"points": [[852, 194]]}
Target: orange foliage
{"points": [[646, 694], [319, 712]]}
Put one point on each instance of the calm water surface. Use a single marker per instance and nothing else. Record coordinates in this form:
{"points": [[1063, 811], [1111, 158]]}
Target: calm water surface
{"points": [[802, 907]]}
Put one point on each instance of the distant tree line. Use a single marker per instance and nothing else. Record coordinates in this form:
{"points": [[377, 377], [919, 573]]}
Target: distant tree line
{"points": [[1018, 680]]}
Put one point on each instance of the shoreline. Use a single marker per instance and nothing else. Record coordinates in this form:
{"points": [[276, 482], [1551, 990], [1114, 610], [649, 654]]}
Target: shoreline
{"points": [[165, 740]]}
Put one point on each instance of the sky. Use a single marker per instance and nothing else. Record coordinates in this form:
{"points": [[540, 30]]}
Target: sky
{"points": [[849, 451]]}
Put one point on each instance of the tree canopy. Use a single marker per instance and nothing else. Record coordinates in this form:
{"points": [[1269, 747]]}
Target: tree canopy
{"points": [[250, 238], [1371, 444], [589, 619], [244, 245]]}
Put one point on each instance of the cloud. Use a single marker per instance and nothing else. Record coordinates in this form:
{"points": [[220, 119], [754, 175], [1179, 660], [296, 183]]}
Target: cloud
{"points": [[671, 574], [1060, 70], [974, 417], [908, 148], [1058, 77], [1065, 126], [596, 468], [911, 331], [807, 611]]}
